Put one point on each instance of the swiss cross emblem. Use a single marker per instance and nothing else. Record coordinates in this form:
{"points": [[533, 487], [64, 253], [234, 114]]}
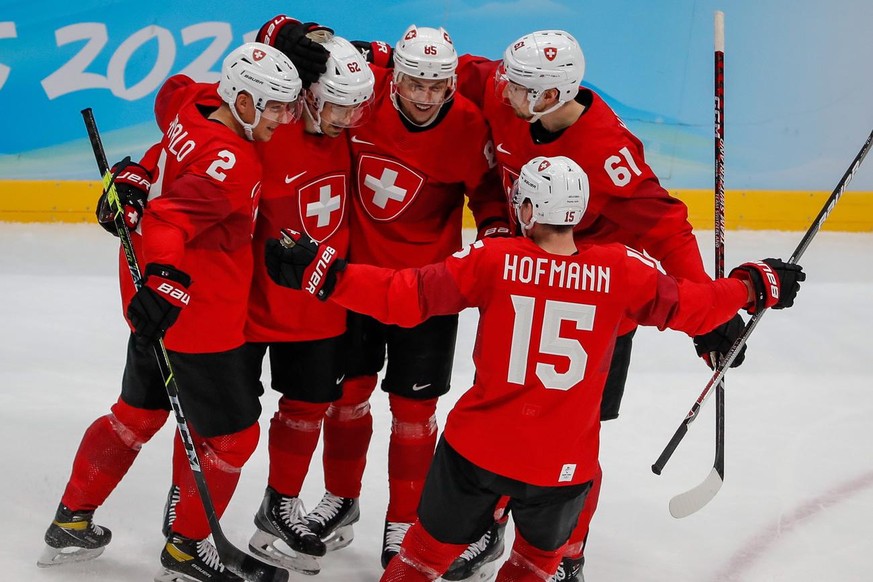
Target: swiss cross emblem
{"points": [[258, 54], [543, 165], [550, 52], [410, 35], [386, 187], [322, 206], [446, 37]]}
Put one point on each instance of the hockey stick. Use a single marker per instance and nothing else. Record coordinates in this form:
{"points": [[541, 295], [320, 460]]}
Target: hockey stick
{"points": [[235, 559], [816, 225], [694, 499]]}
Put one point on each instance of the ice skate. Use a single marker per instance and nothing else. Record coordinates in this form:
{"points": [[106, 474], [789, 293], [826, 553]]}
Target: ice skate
{"points": [[395, 531], [187, 560], [282, 536], [73, 537], [332, 520], [569, 570], [476, 564]]}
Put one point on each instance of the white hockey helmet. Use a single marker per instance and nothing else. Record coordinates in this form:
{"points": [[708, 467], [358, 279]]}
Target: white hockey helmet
{"points": [[426, 53], [263, 72], [547, 59], [557, 187], [348, 82]]}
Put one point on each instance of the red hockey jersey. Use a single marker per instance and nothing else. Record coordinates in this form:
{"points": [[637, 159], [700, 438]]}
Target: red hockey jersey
{"points": [[410, 185], [547, 327], [199, 217], [627, 202], [305, 188]]}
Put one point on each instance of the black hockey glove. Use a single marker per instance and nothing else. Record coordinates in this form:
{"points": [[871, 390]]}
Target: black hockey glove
{"points": [[158, 302], [295, 39], [494, 227], [774, 282], [720, 340], [377, 52], [299, 262], [132, 184]]}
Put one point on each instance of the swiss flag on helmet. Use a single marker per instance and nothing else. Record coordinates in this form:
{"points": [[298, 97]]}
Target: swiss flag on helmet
{"points": [[550, 52], [258, 54], [543, 165]]}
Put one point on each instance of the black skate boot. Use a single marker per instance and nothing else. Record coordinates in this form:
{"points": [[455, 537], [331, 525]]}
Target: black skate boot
{"points": [[395, 531], [281, 520], [570, 570], [73, 537], [187, 560], [332, 520], [476, 564]]}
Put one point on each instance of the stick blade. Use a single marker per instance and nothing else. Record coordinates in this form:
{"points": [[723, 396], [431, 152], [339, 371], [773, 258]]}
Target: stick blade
{"points": [[696, 498], [247, 566]]}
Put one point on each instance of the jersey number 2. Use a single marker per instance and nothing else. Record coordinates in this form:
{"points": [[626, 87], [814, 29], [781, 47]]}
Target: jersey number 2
{"points": [[551, 342]]}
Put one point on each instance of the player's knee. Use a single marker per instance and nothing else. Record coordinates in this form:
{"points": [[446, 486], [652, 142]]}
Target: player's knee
{"points": [[299, 415], [135, 426], [230, 452], [412, 418], [355, 401]]}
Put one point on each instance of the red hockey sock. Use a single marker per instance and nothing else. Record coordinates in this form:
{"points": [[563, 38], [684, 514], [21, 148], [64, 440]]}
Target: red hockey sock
{"points": [[221, 460], [108, 449], [410, 451], [294, 431], [529, 564], [576, 544], [422, 557], [348, 426]]}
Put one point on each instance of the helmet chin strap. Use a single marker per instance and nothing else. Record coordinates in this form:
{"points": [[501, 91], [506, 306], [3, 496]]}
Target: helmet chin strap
{"points": [[525, 226], [316, 118], [535, 115], [247, 127]]}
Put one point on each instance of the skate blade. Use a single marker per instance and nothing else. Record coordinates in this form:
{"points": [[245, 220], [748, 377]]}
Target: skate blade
{"points": [[57, 556], [485, 573], [264, 545], [339, 538], [165, 575]]}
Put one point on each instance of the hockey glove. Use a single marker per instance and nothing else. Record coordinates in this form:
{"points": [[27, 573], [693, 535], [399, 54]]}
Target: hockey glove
{"points": [[493, 228], [157, 303], [132, 184], [377, 52], [774, 283], [720, 340], [299, 262], [298, 40]]}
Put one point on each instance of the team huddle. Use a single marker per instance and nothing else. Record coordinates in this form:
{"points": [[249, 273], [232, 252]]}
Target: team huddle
{"points": [[308, 207]]}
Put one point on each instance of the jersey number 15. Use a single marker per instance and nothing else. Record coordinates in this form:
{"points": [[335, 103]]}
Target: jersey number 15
{"points": [[551, 342]]}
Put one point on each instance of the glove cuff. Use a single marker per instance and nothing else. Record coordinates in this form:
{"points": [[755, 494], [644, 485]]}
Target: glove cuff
{"points": [[168, 272]]}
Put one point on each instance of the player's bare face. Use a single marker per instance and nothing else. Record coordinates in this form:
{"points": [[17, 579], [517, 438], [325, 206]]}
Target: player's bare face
{"points": [[420, 99]]}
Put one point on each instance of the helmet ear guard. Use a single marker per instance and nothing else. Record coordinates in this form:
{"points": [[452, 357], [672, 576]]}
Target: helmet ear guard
{"points": [[557, 188], [263, 72]]}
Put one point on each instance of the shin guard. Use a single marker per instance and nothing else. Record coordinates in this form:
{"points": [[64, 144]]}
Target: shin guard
{"points": [[294, 431], [410, 451], [348, 427], [221, 460], [108, 449]]}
